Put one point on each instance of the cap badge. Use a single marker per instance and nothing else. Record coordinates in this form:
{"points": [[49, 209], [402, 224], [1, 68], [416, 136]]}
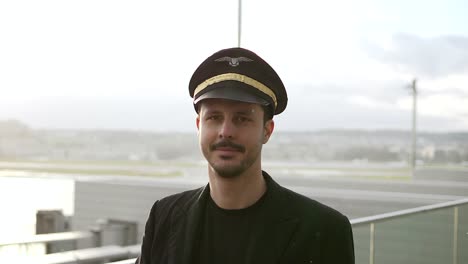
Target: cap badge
{"points": [[234, 62]]}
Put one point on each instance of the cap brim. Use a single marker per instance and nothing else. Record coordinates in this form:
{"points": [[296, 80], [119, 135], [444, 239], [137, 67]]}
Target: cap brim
{"points": [[231, 93]]}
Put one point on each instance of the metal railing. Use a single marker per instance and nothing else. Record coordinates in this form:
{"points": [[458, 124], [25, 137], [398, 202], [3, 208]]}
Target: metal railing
{"points": [[38, 243], [427, 234], [127, 261], [47, 238], [102, 254]]}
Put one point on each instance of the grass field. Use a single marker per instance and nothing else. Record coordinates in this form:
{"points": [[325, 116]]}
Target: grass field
{"points": [[369, 171]]}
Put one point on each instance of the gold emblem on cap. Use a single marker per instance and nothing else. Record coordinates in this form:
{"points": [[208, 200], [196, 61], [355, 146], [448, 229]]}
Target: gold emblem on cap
{"points": [[234, 62], [236, 77]]}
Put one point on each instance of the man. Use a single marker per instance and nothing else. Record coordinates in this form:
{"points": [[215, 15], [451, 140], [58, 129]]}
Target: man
{"points": [[242, 215]]}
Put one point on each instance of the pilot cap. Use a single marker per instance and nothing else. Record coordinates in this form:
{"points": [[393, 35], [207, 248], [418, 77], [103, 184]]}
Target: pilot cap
{"points": [[241, 75]]}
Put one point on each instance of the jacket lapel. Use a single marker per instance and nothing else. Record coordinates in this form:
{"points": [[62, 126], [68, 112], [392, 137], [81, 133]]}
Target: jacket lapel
{"points": [[278, 228], [272, 236], [270, 245], [188, 229]]}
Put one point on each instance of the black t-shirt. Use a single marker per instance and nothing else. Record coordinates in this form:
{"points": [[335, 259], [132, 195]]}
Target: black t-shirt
{"points": [[226, 234]]}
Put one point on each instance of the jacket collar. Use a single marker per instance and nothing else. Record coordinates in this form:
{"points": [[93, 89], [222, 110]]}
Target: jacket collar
{"points": [[272, 236]]}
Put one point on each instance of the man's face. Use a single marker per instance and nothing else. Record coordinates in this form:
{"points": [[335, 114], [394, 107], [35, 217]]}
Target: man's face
{"points": [[231, 135]]}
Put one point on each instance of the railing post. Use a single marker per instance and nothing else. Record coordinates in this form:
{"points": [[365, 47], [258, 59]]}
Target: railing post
{"points": [[455, 235], [371, 246]]}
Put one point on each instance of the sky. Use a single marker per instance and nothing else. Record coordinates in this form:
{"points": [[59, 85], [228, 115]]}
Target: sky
{"points": [[127, 64]]}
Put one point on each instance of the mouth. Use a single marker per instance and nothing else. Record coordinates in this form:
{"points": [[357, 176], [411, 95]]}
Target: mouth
{"points": [[227, 146], [227, 151]]}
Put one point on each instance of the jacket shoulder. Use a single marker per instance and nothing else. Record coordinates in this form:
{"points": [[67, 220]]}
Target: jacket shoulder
{"points": [[178, 200], [158, 229], [327, 230], [307, 208]]}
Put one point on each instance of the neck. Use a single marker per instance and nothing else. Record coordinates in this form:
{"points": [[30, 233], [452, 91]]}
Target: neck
{"points": [[238, 192]]}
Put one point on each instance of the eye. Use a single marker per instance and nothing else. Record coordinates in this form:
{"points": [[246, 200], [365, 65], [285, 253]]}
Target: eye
{"points": [[213, 117], [242, 119]]}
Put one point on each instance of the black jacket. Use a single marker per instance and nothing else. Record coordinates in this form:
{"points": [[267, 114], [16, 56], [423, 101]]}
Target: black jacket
{"points": [[296, 230]]}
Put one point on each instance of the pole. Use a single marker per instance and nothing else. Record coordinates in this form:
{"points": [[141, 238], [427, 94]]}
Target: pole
{"points": [[413, 150], [239, 26]]}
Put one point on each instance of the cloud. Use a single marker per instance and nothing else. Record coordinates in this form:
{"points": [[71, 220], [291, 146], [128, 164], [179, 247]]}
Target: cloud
{"points": [[370, 103], [425, 57], [116, 113], [441, 105], [435, 112], [456, 84]]}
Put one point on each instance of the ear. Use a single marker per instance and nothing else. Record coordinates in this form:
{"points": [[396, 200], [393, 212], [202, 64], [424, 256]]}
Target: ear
{"points": [[268, 130], [197, 121]]}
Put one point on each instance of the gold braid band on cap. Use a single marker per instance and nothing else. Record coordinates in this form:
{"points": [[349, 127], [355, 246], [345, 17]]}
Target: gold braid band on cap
{"points": [[236, 77]]}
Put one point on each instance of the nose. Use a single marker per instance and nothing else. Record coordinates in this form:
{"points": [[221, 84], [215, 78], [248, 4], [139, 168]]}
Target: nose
{"points": [[227, 129]]}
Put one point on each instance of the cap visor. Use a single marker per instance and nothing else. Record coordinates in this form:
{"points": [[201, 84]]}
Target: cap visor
{"points": [[237, 93]]}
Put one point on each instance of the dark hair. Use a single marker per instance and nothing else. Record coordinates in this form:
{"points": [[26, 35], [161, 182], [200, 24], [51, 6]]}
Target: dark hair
{"points": [[267, 113]]}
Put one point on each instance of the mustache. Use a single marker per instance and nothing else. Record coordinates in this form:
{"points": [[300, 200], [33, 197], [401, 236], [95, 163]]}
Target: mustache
{"points": [[227, 144]]}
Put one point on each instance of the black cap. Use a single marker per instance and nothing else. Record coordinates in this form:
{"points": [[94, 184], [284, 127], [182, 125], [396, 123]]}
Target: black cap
{"points": [[241, 75]]}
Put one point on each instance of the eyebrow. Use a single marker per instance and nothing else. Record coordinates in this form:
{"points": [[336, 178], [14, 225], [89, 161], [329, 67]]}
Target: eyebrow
{"points": [[247, 113], [211, 111]]}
